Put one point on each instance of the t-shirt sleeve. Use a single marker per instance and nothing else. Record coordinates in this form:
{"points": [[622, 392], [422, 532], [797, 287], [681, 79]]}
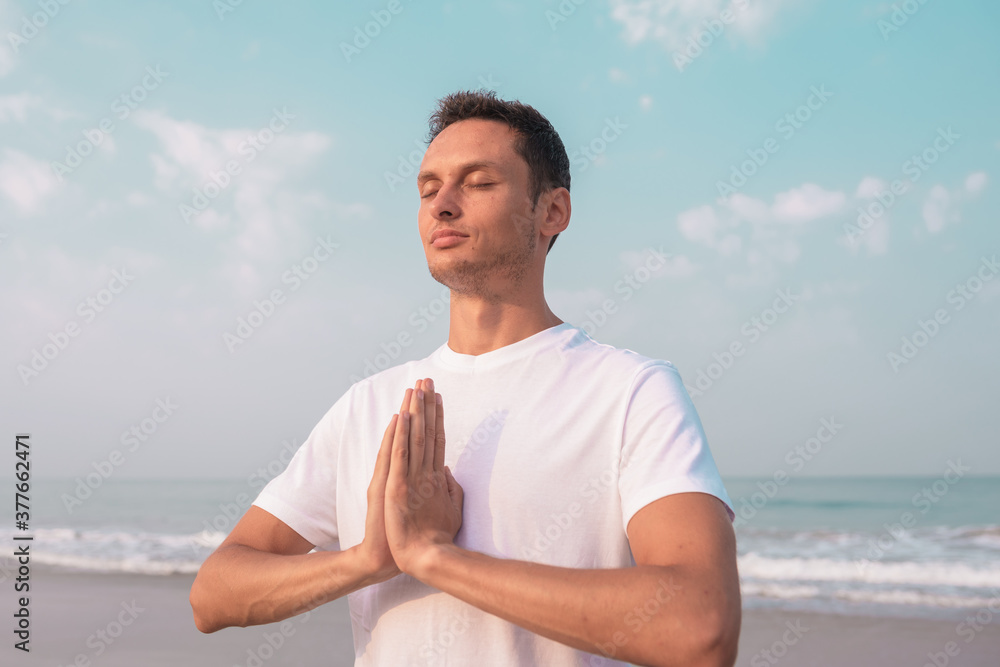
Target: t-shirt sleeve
{"points": [[664, 448], [304, 496]]}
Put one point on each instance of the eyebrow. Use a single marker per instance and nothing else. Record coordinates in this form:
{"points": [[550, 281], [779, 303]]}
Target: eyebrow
{"points": [[427, 174]]}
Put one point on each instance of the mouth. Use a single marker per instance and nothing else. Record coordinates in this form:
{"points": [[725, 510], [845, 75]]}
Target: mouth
{"points": [[446, 238]]}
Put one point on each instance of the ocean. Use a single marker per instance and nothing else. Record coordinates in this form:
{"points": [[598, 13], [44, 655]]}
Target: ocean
{"points": [[903, 547]]}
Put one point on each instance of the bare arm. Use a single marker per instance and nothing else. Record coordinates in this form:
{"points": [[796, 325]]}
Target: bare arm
{"points": [[680, 605], [263, 572]]}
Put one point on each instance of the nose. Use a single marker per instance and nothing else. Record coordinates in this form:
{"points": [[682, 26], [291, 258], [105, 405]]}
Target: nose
{"points": [[445, 205]]}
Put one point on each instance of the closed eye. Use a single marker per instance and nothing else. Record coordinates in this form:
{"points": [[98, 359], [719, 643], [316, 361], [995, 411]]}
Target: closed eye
{"points": [[471, 185]]}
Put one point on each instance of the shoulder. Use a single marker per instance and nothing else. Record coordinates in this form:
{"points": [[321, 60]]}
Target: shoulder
{"points": [[618, 361]]}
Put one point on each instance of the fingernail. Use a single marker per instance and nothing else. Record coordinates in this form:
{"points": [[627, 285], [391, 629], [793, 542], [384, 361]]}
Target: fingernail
{"points": [[437, 398]]}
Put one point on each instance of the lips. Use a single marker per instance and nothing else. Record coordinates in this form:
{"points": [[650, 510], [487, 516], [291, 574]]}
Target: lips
{"points": [[445, 233]]}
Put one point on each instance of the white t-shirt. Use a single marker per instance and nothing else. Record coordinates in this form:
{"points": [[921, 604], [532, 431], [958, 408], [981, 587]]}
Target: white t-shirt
{"points": [[557, 441]]}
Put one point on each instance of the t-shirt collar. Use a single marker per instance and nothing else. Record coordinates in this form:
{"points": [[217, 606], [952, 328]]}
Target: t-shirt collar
{"points": [[505, 354]]}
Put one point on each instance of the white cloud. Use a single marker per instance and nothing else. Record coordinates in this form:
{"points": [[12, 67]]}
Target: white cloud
{"points": [[769, 240], [760, 271], [679, 267], [787, 251], [259, 205], [7, 60], [15, 107], [875, 239], [942, 207], [975, 182], [194, 155], [806, 203], [25, 180], [731, 244], [869, 187], [188, 146], [699, 225], [645, 102], [803, 204], [938, 209], [748, 208], [617, 75], [673, 22], [192, 152]]}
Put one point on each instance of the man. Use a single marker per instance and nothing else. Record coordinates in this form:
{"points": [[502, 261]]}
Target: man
{"points": [[573, 514]]}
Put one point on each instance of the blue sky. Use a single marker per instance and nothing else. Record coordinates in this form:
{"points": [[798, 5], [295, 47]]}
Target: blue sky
{"points": [[809, 111]]}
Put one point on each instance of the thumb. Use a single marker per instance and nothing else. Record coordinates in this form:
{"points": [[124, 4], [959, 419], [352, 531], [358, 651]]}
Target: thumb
{"points": [[455, 490]]}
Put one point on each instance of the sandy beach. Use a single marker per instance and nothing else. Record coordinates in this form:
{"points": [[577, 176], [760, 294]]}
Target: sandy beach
{"points": [[144, 621]]}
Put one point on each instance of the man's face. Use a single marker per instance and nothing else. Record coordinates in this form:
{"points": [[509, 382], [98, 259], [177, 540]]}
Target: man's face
{"points": [[472, 181]]}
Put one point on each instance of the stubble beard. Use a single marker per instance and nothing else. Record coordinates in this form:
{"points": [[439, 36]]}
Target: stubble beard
{"points": [[476, 279]]}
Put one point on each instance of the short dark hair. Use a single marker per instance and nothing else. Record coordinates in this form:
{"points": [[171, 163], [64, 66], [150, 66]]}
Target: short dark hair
{"points": [[538, 142]]}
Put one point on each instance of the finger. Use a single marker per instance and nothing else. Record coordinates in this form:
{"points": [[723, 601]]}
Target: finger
{"points": [[455, 490], [417, 435], [406, 402], [399, 466], [430, 425], [382, 460], [439, 434]]}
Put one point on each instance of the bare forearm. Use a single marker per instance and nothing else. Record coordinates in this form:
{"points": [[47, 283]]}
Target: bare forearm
{"points": [[647, 615], [241, 586]]}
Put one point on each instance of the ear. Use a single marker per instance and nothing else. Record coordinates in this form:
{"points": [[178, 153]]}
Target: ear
{"points": [[557, 208]]}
